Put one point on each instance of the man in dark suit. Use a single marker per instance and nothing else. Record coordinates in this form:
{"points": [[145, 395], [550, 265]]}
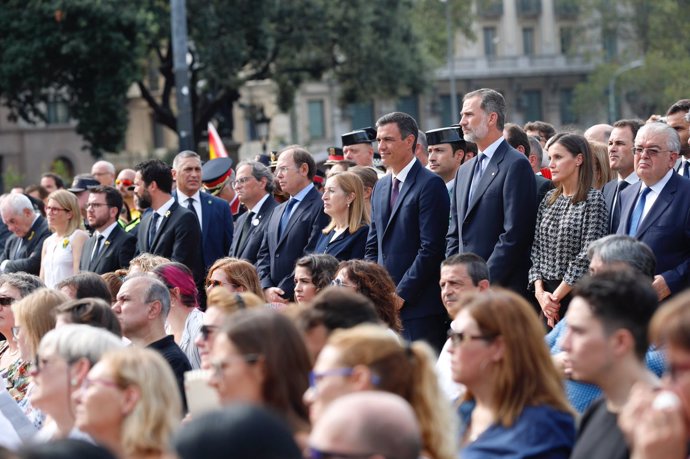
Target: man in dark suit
{"points": [[254, 186], [518, 139], [621, 161], [110, 248], [409, 221], [494, 208], [656, 210], [294, 226], [169, 230], [213, 214], [23, 248]]}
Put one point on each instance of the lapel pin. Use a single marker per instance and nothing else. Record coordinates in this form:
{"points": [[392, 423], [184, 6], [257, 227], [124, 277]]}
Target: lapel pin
{"points": [[255, 221]]}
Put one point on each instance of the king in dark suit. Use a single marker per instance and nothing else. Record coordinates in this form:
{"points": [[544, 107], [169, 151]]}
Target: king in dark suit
{"points": [[294, 226], [494, 210], [170, 230], [23, 248], [254, 187], [110, 247], [407, 232], [656, 210]]}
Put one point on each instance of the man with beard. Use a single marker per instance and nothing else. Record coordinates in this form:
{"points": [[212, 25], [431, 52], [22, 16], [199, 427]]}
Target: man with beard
{"points": [[110, 248], [170, 230], [676, 118]]}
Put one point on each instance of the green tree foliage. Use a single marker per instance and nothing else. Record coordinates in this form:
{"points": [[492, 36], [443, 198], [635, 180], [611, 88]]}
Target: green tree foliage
{"points": [[82, 52]]}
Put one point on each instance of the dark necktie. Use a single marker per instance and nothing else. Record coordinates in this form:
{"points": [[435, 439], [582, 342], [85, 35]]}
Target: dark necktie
{"points": [[153, 229], [395, 192], [686, 165], [478, 172], [637, 213], [97, 250], [244, 232], [190, 206], [285, 218], [616, 210]]}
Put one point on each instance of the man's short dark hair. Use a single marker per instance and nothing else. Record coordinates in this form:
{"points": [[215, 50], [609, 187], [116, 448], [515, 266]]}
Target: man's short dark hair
{"points": [[633, 124], [59, 183], [515, 136], [406, 124], [475, 265], [545, 130], [621, 299], [87, 284], [300, 156], [682, 105], [337, 307], [155, 170], [113, 198]]}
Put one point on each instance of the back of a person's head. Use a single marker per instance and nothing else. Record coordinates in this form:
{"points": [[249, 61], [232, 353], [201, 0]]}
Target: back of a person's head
{"points": [[75, 341], [87, 284], [619, 249], [145, 262], [670, 325], [344, 308], [35, 313], [90, 311], [176, 275], [24, 282], [620, 299], [242, 431], [64, 449], [228, 302]]}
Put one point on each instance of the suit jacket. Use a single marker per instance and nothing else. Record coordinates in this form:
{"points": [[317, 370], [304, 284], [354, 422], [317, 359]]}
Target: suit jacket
{"points": [[346, 246], [409, 239], [665, 229], [277, 256], [116, 252], [29, 257], [544, 185], [178, 238], [249, 250], [217, 227], [498, 225]]}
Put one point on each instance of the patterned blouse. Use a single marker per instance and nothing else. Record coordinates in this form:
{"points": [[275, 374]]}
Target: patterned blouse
{"points": [[563, 233]]}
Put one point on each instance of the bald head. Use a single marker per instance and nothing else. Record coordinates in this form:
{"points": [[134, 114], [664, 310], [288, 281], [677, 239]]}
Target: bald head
{"points": [[368, 423], [599, 133], [104, 172]]}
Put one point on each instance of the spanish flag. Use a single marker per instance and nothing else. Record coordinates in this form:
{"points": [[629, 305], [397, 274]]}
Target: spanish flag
{"points": [[216, 149]]}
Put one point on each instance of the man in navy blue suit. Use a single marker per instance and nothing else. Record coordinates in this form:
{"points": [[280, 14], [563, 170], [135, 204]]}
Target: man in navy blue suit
{"points": [[493, 212], [407, 233], [656, 210], [213, 214], [294, 226]]}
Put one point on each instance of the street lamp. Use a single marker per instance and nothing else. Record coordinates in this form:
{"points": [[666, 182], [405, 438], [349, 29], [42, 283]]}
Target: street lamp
{"points": [[637, 63], [262, 123]]}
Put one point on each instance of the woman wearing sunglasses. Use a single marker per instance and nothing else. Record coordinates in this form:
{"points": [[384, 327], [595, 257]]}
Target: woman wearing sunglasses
{"points": [[129, 402], [65, 355]]}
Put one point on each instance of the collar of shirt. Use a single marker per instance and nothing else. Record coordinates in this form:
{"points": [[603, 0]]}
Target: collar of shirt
{"points": [[165, 207], [491, 149], [658, 186], [181, 197], [258, 205], [405, 170], [632, 178], [106, 232], [303, 192]]}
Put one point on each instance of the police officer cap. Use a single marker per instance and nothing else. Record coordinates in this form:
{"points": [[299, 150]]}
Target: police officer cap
{"points": [[366, 135], [444, 135], [216, 169]]}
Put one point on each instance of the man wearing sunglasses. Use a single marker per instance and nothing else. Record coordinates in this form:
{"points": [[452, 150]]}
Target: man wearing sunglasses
{"points": [[23, 248], [130, 216]]}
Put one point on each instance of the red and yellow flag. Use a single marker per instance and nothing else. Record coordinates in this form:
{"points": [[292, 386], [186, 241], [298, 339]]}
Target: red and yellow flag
{"points": [[216, 149]]}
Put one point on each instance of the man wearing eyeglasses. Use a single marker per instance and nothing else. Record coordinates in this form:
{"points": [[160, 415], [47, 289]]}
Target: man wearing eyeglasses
{"points": [[656, 210], [23, 248], [104, 172], [110, 247]]}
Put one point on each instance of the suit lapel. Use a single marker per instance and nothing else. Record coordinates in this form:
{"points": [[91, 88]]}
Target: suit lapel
{"points": [[407, 185], [627, 206], [164, 222], [205, 201], [489, 174], [659, 207], [301, 208]]}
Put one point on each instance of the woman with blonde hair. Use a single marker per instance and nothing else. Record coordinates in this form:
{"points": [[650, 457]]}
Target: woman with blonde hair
{"points": [[62, 249], [514, 405], [235, 275], [602, 169], [130, 403], [343, 200], [369, 357]]}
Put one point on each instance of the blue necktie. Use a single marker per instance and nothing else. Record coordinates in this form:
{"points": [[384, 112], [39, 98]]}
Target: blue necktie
{"points": [[685, 165], [637, 213], [477, 176], [152, 228], [285, 218]]}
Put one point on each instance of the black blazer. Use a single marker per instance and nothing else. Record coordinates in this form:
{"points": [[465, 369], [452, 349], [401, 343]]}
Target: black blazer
{"points": [[178, 238], [116, 252], [250, 249], [346, 246], [29, 257], [277, 256]]}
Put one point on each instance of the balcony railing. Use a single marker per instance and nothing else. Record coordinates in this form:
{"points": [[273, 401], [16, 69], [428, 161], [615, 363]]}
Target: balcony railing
{"points": [[528, 8], [566, 9], [490, 9]]}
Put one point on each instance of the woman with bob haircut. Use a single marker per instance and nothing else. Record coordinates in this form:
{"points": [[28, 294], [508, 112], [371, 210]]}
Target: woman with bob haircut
{"points": [[62, 250], [569, 218], [130, 403], [248, 367], [369, 357], [514, 405], [343, 200], [373, 281], [313, 273], [235, 275], [65, 355], [185, 318]]}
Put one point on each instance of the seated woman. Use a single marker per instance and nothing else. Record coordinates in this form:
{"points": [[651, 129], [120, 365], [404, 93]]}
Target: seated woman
{"points": [[369, 357], [274, 372], [514, 405], [65, 355], [313, 273], [88, 311], [343, 200], [235, 275], [373, 281], [185, 318], [129, 402]]}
